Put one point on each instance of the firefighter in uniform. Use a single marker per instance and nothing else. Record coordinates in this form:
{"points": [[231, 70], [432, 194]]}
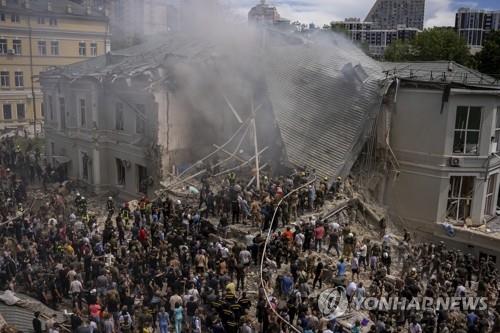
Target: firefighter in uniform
{"points": [[110, 206]]}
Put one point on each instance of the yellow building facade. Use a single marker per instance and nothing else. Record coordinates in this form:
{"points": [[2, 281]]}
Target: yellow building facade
{"points": [[36, 35]]}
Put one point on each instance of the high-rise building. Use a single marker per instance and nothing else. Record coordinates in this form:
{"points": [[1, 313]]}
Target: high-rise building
{"points": [[263, 13], [474, 25], [388, 14], [37, 35], [376, 40]]}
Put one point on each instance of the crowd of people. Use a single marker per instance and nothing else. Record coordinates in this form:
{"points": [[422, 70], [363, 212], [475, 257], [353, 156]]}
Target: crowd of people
{"points": [[168, 265]]}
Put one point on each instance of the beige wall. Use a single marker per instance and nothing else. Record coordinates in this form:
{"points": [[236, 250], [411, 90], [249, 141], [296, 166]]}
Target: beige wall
{"points": [[68, 32]]}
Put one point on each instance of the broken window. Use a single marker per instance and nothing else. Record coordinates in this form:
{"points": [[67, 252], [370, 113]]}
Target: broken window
{"points": [[467, 129], [21, 111], [119, 117], [460, 198], [139, 119], [142, 175], [120, 172], [489, 206], [85, 166]]}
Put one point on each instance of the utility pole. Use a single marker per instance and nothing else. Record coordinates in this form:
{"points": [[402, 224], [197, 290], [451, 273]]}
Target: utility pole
{"points": [[256, 147], [33, 96]]}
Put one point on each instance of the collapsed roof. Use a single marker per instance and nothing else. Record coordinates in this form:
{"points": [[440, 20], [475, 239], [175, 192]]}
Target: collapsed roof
{"points": [[322, 91]]}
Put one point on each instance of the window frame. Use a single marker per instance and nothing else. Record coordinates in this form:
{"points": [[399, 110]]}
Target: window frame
{"points": [[19, 78], [119, 117], [4, 109], [82, 110], [466, 131], [17, 46], [52, 21], [4, 79], [121, 172], [4, 46], [82, 49], [23, 108], [140, 119], [54, 46], [497, 129], [42, 46], [93, 49], [41, 19], [15, 18], [461, 200], [489, 204]]}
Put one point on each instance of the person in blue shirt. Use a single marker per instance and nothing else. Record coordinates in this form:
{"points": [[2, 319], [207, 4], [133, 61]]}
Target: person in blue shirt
{"points": [[472, 319], [179, 317], [341, 267], [163, 320]]}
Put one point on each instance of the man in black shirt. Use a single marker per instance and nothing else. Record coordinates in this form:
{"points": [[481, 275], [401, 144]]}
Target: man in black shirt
{"points": [[37, 323]]}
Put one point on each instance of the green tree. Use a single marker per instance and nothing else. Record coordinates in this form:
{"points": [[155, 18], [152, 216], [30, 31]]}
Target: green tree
{"points": [[398, 51], [432, 44], [488, 59]]}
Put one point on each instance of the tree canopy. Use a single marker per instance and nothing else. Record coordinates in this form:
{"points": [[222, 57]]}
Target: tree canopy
{"points": [[488, 59], [430, 45]]}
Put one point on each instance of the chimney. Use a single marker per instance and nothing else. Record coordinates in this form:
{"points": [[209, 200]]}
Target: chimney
{"points": [[88, 10], [69, 10], [27, 4], [49, 6], [4, 3]]}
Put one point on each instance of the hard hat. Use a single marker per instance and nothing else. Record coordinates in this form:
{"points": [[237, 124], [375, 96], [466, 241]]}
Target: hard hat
{"points": [[110, 198], [325, 179], [178, 202], [77, 194], [83, 198], [339, 178], [350, 234], [385, 254]]}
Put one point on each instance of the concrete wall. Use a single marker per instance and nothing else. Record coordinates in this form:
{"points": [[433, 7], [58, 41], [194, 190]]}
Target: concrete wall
{"points": [[98, 137], [422, 138]]}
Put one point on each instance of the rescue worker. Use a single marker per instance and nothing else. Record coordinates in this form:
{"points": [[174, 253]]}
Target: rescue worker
{"points": [[110, 206]]}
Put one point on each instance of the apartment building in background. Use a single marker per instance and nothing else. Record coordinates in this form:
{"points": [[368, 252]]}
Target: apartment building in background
{"points": [[474, 25], [369, 36], [263, 13], [389, 14], [35, 36]]}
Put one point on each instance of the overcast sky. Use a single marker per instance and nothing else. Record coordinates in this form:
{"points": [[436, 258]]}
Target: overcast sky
{"points": [[437, 12]]}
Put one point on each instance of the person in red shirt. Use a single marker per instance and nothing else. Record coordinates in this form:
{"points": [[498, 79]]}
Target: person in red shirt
{"points": [[319, 234], [288, 235]]}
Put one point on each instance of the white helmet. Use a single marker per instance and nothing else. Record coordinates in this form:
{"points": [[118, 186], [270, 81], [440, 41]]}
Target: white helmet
{"points": [[351, 234], [178, 202], [110, 198]]}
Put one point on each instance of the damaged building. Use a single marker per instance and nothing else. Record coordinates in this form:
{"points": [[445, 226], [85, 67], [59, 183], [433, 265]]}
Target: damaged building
{"points": [[442, 123], [129, 120], [135, 119]]}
